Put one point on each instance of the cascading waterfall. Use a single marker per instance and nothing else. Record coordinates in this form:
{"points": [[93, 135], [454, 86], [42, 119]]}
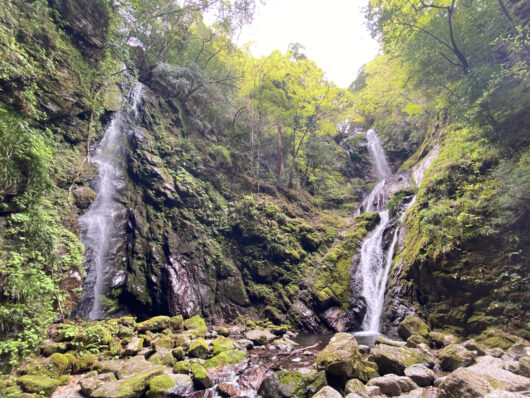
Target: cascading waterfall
{"points": [[374, 265], [101, 222]]}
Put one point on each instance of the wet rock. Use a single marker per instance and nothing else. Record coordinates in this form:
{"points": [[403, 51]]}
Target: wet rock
{"points": [[270, 387], [327, 392], [414, 341], [412, 325], [260, 337], [183, 385], [159, 386], [252, 378], [472, 345], [440, 340], [89, 384], [356, 387], [393, 385], [387, 341], [196, 326], [420, 374], [454, 356], [227, 390], [391, 359], [200, 377], [364, 349], [524, 366], [83, 197], [341, 356]]}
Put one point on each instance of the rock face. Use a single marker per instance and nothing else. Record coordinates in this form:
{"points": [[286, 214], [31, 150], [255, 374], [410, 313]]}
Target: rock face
{"points": [[341, 357]]}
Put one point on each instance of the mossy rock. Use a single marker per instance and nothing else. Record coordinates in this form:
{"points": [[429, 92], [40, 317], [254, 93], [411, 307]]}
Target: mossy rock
{"points": [[495, 338], [226, 358], [159, 385], [221, 344], [295, 384], [178, 353], [341, 357], [412, 325], [223, 331], [198, 348], [196, 326], [454, 356], [394, 359], [95, 335], [163, 343], [38, 384], [163, 357], [84, 363], [154, 324], [50, 347], [200, 376], [182, 367], [414, 341], [176, 323]]}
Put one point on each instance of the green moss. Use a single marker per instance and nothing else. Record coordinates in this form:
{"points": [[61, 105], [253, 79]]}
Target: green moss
{"points": [[198, 372], [196, 326], [156, 323], [176, 322], [221, 344], [225, 358], [38, 384], [183, 367], [160, 384], [198, 348], [84, 363]]}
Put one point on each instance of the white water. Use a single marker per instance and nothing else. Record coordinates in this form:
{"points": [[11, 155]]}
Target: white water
{"points": [[100, 218], [374, 265]]}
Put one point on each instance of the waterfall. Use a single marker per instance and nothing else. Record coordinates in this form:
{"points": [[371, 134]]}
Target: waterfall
{"points": [[104, 219], [374, 265]]}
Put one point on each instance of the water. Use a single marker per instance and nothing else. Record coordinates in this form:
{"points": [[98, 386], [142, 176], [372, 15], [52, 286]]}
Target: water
{"points": [[101, 222], [374, 264]]}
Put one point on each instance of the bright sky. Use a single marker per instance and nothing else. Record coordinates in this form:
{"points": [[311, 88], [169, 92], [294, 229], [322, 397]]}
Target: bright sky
{"points": [[332, 31]]}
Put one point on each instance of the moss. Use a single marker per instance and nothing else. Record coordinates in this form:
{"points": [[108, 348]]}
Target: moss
{"points": [[163, 342], [223, 331], [225, 358], [196, 326], [495, 338], [156, 323], [60, 361], [159, 384], [183, 367], [38, 384], [412, 325], [221, 344], [84, 363], [198, 371], [176, 322]]}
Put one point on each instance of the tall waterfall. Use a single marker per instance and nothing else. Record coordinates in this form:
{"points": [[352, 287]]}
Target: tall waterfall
{"points": [[374, 264], [104, 219]]}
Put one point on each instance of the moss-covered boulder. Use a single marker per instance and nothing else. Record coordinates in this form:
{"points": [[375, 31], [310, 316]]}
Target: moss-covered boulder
{"points": [[182, 367], [134, 346], [260, 337], [154, 324], [130, 387], [178, 353], [454, 356], [199, 348], [440, 339], [341, 357], [85, 363], [176, 323], [415, 340], [412, 325], [221, 344], [200, 376], [83, 197], [38, 384], [392, 359], [196, 326], [165, 343], [495, 338], [163, 357], [159, 386], [223, 331], [355, 386], [327, 392], [225, 358]]}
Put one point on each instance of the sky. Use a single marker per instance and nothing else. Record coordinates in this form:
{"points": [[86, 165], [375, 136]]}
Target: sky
{"points": [[332, 31]]}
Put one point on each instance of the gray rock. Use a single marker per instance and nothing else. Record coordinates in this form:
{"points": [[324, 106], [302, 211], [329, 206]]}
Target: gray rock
{"points": [[260, 337], [357, 387], [244, 344], [387, 341], [341, 356], [442, 339], [504, 394], [134, 346], [454, 356], [393, 385], [472, 345], [420, 374], [392, 359], [327, 392], [524, 366], [439, 381], [364, 349], [373, 391]]}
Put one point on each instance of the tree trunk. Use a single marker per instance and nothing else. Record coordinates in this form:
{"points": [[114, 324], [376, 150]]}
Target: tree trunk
{"points": [[279, 166]]}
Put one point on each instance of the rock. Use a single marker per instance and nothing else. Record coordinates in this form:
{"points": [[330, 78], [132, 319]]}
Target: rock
{"points": [[89, 384], [524, 366], [37, 384], [390, 359], [83, 197], [364, 349], [163, 343], [354, 395], [223, 331], [393, 385], [163, 357], [221, 344], [225, 358], [504, 394], [480, 379], [183, 386], [420, 374], [412, 325], [252, 378], [199, 348], [200, 376], [373, 391], [414, 341], [270, 387], [178, 353], [84, 364], [518, 351], [356, 387], [227, 390], [340, 357], [154, 324], [159, 386], [440, 340], [439, 381], [196, 326], [176, 323], [260, 337], [244, 344], [134, 347], [182, 367], [327, 392], [130, 387], [454, 356], [472, 345], [387, 341], [130, 367]]}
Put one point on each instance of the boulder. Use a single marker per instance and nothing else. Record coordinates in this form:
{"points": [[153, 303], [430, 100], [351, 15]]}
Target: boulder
{"points": [[176, 323], [89, 384], [154, 324], [199, 348], [440, 340], [37, 384], [412, 325], [420, 374], [200, 376], [84, 364], [327, 392], [393, 385], [391, 359], [163, 357], [221, 344], [225, 358], [159, 386], [83, 197], [130, 387], [196, 326], [341, 357], [373, 391], [260, 337], [227, 390], [524, 366], [355, 386], [223, 331], [414, 341], [387, 341], [164, 343], [134, 346], [454, 356]]}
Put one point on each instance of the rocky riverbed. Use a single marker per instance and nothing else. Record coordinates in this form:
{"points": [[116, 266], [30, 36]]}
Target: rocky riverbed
{"points": [[172, 357]]}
